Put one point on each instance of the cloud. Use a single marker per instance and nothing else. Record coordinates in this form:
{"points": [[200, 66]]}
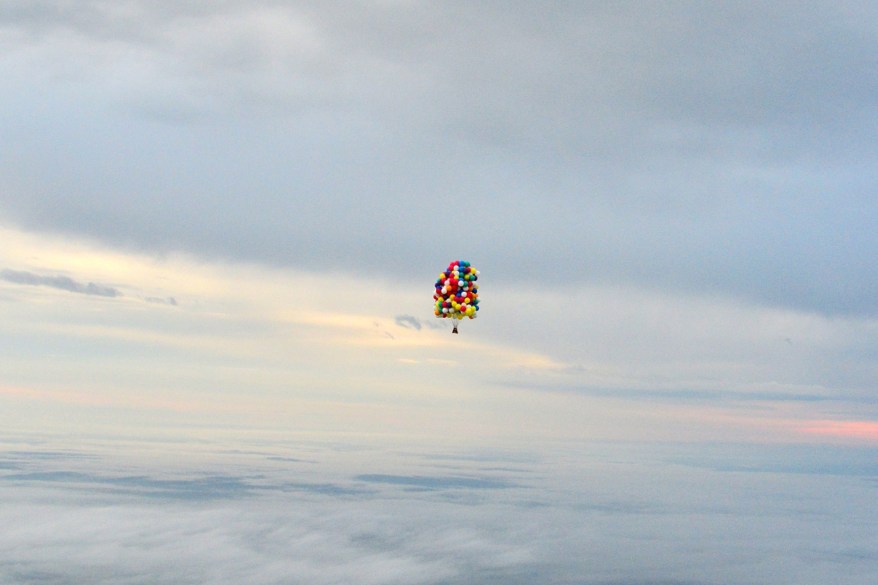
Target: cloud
{"points": [[58, 282], [435, 483], [682, 395], [862, 430], [200, 488], [717, 150], [412, 322], [409, 322], [70, 519], [162, 301], [228, 528]]}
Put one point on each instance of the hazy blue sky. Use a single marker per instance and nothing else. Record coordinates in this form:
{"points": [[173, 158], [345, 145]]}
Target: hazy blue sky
{"points": [[223, 220]]}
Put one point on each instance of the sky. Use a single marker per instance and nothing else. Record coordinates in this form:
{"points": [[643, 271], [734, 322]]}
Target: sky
{"points": [[221, 226]]}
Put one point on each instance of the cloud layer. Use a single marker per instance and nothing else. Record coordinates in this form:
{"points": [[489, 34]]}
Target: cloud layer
{"points": [[618, 514], [59, 282], [686, 147]]}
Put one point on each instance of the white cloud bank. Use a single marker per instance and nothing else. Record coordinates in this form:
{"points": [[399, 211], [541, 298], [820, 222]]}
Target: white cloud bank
{"points": [[594, 515]]}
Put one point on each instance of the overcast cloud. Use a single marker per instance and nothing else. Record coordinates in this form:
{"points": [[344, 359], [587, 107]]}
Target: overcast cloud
{"points": [[723, 148]]}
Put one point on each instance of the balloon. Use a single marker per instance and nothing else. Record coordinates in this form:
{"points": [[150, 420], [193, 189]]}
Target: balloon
{"points": [[456, 294]]}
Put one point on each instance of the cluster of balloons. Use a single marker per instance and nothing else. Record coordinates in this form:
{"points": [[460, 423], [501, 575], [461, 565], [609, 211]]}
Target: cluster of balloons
{"points": [[457, 294]]}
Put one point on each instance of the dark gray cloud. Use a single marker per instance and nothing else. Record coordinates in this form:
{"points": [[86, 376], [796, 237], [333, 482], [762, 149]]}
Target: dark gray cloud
{"points": [[59, 282], [162, 300], [412, 322], [408, 321], [436, 482], [204, 488], [200, 488], [718, 148]]}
